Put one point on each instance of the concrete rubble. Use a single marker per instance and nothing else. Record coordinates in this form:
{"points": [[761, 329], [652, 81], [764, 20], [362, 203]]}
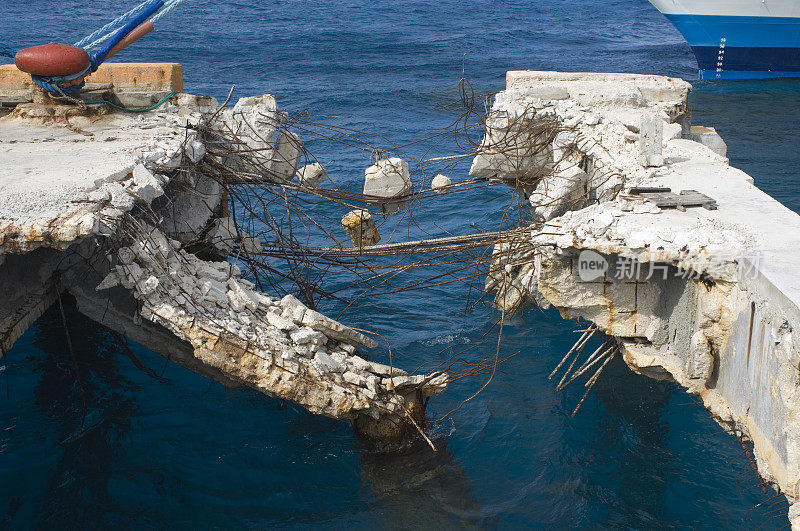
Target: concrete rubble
{"points": [[360, 227], [95, 207], [705, 298], [385, 180], [312, 175], [440, 183]]}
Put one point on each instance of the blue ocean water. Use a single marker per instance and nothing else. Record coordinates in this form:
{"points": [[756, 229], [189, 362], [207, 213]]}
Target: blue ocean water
{"points": [[190, 453]]}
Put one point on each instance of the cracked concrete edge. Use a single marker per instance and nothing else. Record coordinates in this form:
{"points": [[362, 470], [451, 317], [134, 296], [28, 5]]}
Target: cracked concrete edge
{"points": [[701, 332]]}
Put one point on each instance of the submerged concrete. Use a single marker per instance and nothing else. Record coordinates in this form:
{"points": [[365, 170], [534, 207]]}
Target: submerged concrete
{"points": [[707, 298], [106, 206]]}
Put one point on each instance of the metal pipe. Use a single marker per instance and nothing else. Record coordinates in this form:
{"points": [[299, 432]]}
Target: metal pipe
{"points": [[131, 37]]}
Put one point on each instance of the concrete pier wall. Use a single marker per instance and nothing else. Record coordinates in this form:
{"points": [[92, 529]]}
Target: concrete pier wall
{"points": [[706, 297]]}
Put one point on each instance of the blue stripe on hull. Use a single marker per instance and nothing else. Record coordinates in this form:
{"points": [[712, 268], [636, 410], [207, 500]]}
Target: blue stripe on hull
{"points": [[748, 59], [744, 74], [763, 46], [747, 32]]}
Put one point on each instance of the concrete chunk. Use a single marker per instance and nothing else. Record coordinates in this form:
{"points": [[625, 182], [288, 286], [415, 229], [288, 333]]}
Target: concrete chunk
{"points": [[359, 225], [651, 138], [312, 174], [440, 182], [385, 180]]}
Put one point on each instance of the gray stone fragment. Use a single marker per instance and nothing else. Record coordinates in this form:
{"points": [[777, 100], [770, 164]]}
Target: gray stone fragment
{"points": [[324, 363], [286, 157], [651, 138], [120, 198], [145, 185], [312, 174], [306, 335], [279, 322]]}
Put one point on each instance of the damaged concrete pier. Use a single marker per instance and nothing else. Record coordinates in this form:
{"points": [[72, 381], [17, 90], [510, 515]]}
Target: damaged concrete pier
{"points": [[646, 231], [108, 206]]}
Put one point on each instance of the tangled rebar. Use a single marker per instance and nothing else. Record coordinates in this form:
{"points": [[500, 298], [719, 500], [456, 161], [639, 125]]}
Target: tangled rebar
{"points": [[288, 238]]}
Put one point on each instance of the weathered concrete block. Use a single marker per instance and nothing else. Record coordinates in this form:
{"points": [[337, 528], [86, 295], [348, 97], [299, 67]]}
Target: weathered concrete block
{"points": [[385, 180], [126, 77], [700, 362], [651, 140], [255, 121], [324, 363], [145, 185], [195, 151], [559, 193], [223, 235], [359, 225], [120, 198], [312, 174], [286, 157], [547, 92], [709, 137], [440, 182], [306, 335]]}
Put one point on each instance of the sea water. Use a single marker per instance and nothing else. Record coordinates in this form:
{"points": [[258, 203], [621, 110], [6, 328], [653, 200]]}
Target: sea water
{"points": [[187, 452]]}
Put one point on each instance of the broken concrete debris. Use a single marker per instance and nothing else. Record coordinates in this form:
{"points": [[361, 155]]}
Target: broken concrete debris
{"points": [[264, 146], [286, 157], [385, 180], [288, 345], [360, 227], [117, 235], [312, 175], [704, 297], [682, 291], [223, 235], [439, 182]]}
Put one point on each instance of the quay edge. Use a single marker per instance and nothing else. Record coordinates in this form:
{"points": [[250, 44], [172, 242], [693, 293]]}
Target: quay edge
{"points": [[708, 298]]}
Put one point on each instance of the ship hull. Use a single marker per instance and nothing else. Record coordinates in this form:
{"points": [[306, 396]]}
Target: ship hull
{"points": [[742, 43]]}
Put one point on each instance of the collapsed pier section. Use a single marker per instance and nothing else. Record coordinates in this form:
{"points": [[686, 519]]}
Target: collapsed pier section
{"points": [[110, 208], [646, 231]]}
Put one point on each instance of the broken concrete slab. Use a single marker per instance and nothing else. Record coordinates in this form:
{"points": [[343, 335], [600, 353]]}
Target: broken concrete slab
{"points": [[312, 175], [101, 212], [706, 298]]}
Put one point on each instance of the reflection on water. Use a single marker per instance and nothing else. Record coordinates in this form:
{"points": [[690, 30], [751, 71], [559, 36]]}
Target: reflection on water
{"points": [[88, 442], [417, 488]]}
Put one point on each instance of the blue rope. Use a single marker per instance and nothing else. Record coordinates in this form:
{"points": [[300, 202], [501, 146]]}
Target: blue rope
{"points": [[53, 84], [100, 55], [168, 7], [106, 38], [105, 33]]}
